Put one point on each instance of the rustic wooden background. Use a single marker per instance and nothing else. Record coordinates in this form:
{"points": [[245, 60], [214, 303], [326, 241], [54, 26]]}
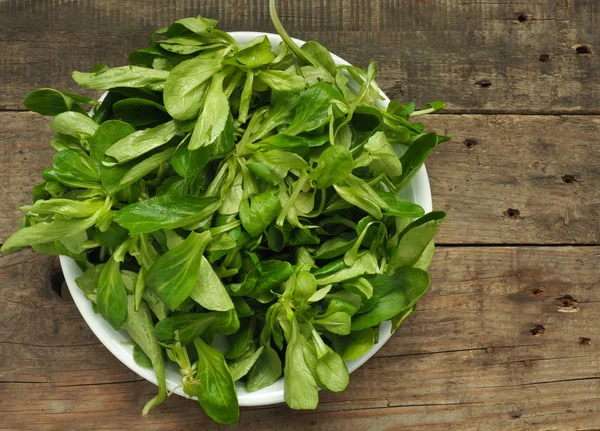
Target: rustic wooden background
{"points": [[507, 337]]}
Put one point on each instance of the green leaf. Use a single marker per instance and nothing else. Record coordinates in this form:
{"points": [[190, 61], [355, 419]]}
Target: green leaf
{"points": [[417, 284], [319, 294], [266, 370], [209, 291], [383, 158], [242, 308], [293, 144], [337, 318], [143, 168], [429, 108], [225, 143], [114, 236], [189, 326], [415, 156], [265, 169], [319, 53], [272, 274], [213, 118], [259, 212], [414, 239], [111, 295], [331, 369], [142, 141], [358, 343], [174, 275], [76, 164], [140, 357], [168, 211], [140, 112], [190, 163], [124, 76], [47, 101], [105, 136], [88, 281], [359, 286], [426, 257], [359, 198], [139, 327], [400, 207], [195, 24], [256, 53], [67, 207], [335, 165], [306, 285], [366, 264], [46, 232], [242, 366], [394, 296], [186, 86], [313, 108], [335, 246], [103, 111], [139, 288], [241, 342], [213, 385], [226, 322], [300, 388], [246, 97], [400, 110], [285, 158], [73, 123], [281, 80]]}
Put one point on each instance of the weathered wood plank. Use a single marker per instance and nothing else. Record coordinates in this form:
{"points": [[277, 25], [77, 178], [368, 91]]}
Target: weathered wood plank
{"points": [[517, 179], [500, 56], [465, 359], [503, 179]]}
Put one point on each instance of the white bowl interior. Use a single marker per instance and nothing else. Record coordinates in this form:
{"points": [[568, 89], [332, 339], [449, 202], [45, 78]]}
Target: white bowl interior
{"points": [[417, 191]]}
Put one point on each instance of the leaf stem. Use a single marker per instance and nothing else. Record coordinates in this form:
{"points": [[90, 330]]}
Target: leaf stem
{"points": [[288, 205]]}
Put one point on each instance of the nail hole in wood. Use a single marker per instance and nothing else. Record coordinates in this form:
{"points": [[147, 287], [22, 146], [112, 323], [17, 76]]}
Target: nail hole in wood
{"points": [[569, 179], [538, 291], [484, 83], [470, 143], [544, 58], [522, 17], [512, 213], [583, 49], [565, 301], [566, 304], [584, 341], [537, 331]]}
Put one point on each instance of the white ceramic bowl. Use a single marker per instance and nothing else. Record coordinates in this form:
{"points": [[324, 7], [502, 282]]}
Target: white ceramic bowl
{"points": [[417, 191]]}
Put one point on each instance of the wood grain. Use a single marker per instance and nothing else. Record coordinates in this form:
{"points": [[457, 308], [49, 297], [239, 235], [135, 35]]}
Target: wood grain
{"points": [[503, 179], [478, 55], [466, 358]]}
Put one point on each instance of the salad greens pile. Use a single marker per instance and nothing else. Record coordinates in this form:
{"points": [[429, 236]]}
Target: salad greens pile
{"points": [[245, 191]]}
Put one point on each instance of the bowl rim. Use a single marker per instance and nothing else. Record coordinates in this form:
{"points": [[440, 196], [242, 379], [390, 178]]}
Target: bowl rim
{"points": [[418, 190]]}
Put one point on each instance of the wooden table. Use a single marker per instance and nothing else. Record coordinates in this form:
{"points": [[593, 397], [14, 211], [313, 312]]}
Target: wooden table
{"points": [[507, 337]]}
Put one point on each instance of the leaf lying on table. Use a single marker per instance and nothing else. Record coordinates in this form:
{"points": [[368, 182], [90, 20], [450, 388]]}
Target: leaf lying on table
{"points": [[245, 191]]}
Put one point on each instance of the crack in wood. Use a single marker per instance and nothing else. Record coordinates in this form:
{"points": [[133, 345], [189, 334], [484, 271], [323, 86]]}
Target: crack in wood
{"points": [[53, 346], [473, 349]]}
